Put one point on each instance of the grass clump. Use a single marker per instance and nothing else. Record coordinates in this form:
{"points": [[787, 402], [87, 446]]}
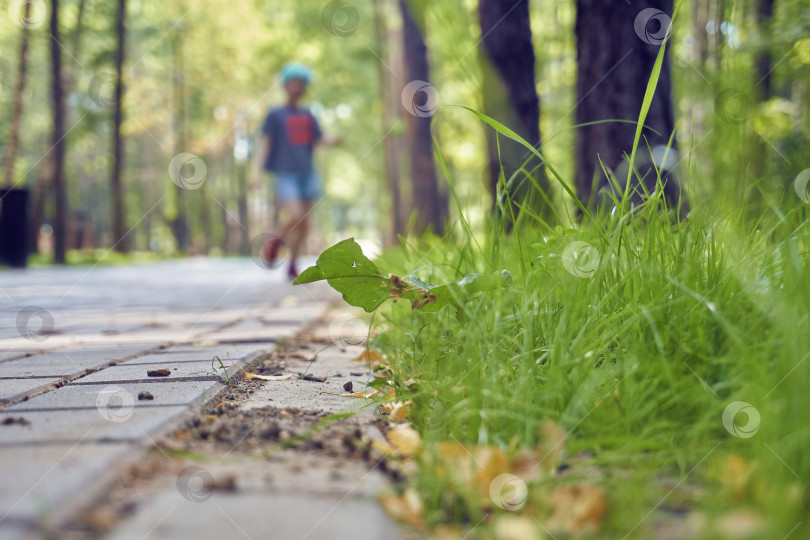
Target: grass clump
{"points": [[639, 335]]}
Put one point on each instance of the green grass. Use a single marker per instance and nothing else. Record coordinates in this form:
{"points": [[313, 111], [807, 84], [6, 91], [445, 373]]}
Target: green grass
{"points": [[101, 257], [636, 362]]}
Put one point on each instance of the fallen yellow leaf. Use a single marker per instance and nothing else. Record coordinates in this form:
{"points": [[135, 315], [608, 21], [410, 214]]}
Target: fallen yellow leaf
{"points": [[490, 462], [382, 447], [371, 394], [398, 411], [370, 356], [550, 447], [406, 507], [577, 509], [735, 472], [284, 377], [740, 524], [511, 527], [405, 439]]}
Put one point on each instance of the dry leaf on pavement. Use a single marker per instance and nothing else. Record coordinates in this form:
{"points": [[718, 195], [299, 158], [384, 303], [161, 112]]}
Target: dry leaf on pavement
{"points": [[406, 507], [405, 439], [512, 527], [577, 508], [550, 447]]}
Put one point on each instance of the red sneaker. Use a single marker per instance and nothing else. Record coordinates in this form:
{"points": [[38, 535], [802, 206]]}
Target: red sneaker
{"points": [[271, 249]]}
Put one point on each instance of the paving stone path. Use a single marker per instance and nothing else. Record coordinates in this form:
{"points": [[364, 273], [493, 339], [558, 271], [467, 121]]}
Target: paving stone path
{"points": [[77, 346]]}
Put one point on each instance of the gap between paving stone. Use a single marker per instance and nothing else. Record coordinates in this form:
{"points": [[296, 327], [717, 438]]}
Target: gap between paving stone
{"points": [[227, 473]]}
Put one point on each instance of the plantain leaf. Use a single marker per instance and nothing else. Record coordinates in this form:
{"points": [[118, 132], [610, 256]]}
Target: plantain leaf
{"points": [[350, 273], [357, 278]]}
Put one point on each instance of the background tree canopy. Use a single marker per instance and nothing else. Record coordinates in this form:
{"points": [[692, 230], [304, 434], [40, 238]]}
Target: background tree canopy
{"points": [[198, 77]]}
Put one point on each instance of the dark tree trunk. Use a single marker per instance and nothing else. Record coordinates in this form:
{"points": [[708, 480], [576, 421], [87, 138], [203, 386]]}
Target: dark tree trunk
{"points": [[10, 154], [613, 69], [58, 140], [427, 201], [763, 61], [510, 96], [43, 179], [389, 90], [120, 242]]}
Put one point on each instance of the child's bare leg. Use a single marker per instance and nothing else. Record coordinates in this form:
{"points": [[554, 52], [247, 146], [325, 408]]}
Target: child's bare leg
{"points": [[295, 226]]}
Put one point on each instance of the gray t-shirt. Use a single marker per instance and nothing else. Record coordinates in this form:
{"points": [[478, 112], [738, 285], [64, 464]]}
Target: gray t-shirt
{"points": [[293, 132]]}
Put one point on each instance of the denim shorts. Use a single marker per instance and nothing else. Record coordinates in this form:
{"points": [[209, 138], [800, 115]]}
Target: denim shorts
{"points": [[299, 186]]}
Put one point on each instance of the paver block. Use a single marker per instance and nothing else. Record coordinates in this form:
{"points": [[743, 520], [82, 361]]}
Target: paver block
{"points": [[41, 480], [13, 389], [86, 425], [62, 363], [254, 331], [257, 515], [138, 370], [112, 395]]}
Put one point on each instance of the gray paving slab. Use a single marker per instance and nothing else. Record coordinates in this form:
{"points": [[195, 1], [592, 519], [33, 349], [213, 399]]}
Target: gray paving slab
{"points": [[62, 363], [259, 515], [236, 350], [166, 391], [204, 351], [45, 477], [16, 530], [178, 371], [13, 389], [255, 331], [127, 422]]}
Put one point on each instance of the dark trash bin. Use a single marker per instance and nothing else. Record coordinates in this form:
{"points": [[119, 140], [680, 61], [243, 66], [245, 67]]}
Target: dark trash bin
{"points": [[14, 227]]}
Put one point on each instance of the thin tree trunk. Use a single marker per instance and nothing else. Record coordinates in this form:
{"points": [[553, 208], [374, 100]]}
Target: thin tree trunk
{"points": [[58, 140], [427, 201], [42, 182], [120, 242], [391, 116], [613, 69], [510, 96], [757, 153], [10, 155], [763, 61], [179, 226]]}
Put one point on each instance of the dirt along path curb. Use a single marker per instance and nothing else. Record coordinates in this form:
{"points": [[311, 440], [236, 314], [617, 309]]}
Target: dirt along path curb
{"points": [[279, 459]]}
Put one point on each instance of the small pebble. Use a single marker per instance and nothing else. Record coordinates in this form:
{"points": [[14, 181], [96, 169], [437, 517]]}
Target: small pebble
{"points": [[348, 386], [16, 420], [145, 395], [163, 372]]}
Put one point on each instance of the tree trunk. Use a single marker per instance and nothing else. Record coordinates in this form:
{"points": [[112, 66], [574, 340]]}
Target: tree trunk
{"points": [[42, 182], [58, 140], [763, 62], [427, 201], [120, 242], [510, 97], [10, 154], [613, 69], [389, 90], [178, 224]]}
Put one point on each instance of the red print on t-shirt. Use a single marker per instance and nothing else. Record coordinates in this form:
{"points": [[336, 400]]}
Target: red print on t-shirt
{"points": [[299, 129]]}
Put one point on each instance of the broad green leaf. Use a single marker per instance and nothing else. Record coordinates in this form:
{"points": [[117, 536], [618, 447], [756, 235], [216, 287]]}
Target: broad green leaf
{"points": [[357, 278], [350, 273]]}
